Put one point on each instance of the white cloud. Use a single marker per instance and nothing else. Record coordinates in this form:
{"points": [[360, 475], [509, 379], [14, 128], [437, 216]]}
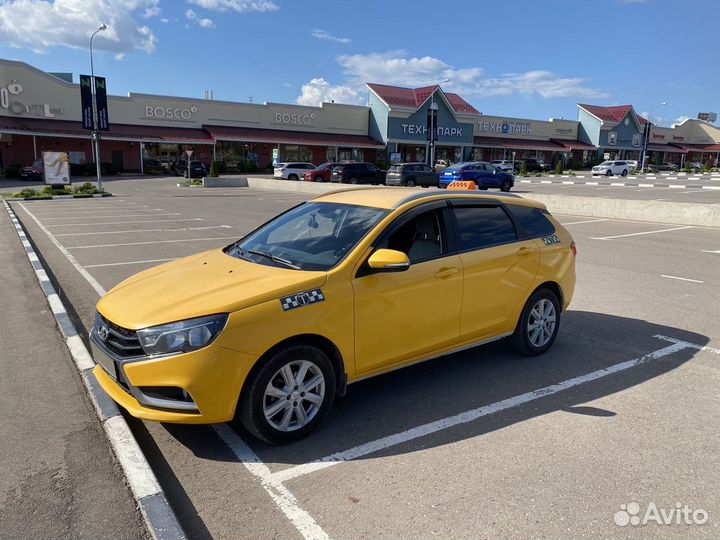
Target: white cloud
{"points": [[201, 21], [319, 90], [241, 6], [120, 57], [164, 20], [152, 11], [397, 68], [327, 36], [42, 24]]}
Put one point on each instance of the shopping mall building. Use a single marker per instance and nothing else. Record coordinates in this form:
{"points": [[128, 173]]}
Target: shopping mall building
{"points": [[41, 111]]}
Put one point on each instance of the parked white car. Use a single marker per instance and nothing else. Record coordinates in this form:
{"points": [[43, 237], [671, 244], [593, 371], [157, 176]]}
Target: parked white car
{"points": [[632, 164], [611, 168], [292, 171], [506, 165]]}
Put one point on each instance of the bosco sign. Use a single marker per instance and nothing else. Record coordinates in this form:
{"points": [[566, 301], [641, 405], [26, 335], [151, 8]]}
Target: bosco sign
{"points": [[295, 119], [170, 113]]}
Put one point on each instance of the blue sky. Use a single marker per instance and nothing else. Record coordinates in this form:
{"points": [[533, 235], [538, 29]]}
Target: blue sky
{"points": [[524, 58]]}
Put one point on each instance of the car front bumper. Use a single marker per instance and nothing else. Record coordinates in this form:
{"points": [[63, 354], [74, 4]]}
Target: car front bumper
{"points": [[212, 379]]}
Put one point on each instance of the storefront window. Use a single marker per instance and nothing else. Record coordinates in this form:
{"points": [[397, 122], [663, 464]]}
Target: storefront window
{"points": [[294, 152]]}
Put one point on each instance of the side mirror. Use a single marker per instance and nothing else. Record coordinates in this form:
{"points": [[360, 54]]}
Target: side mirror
{"points": [[389, 260]]}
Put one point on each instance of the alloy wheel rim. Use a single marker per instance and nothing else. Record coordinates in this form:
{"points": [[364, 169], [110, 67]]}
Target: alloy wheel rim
{"points": [[294, 395], [541, 323]]}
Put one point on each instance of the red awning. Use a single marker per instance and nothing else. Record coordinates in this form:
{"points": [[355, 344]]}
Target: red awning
{"points": [[227, 133], [573, 145], [122, 132], [672, 148], [701, 148], [517, 144]]}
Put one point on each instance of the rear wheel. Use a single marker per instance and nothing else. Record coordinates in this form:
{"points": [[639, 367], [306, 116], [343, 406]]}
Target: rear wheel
{"points": [[624, 173], [538, 325], [289, 396], [353, 181], [293, 177], [410, 182], [506, 185]]}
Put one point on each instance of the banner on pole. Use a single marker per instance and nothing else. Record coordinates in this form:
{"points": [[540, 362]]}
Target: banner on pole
{"points": [[102, 104], [86, 101]]}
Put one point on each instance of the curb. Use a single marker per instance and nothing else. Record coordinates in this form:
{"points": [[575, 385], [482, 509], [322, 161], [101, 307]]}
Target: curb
{"points": [[62, 197], [160, 519], [619, 184]]}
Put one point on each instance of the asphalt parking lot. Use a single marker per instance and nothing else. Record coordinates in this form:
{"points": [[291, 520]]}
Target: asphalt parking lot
{"points": [[482, 443]]}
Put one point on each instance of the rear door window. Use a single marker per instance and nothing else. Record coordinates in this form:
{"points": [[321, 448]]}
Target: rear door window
{"points": [[532, 220], [483, 226]]}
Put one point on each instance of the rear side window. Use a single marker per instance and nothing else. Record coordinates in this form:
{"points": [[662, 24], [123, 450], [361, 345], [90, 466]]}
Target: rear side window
{"points": [[483, 226], [532, 220]]}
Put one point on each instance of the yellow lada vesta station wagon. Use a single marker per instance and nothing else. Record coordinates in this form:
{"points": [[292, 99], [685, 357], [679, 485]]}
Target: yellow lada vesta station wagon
{"points": [[349, 285]]}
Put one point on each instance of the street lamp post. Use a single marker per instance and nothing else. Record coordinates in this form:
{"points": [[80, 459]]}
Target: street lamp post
{"points": [[646, 139], [433, 128], [95, 133]]}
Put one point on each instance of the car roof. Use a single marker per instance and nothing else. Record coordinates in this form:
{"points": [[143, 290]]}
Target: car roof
{"points": [[391, 198]]}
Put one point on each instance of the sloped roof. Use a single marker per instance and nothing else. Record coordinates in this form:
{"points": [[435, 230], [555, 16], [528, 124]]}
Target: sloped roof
{"points": [[611, 114], [415, 97]]}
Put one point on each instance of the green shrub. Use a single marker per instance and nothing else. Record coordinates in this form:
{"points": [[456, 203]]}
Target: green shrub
{"points": [[86, 189], [708, 166], [523, 168], [688, 169], [559, 167], [214, 169], [26, 193]]}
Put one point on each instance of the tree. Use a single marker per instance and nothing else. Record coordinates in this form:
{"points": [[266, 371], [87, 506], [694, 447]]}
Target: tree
{"points": [[523, 168], [559, 167], [213, 169]]}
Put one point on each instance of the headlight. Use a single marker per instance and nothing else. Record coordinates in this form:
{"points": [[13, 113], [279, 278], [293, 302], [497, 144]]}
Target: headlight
{"points": [[181, 336]]}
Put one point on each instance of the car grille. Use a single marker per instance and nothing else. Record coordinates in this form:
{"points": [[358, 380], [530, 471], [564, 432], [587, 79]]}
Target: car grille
{"points": [[120, 341]]}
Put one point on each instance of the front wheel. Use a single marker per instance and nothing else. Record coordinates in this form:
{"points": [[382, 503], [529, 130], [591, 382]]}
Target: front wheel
{"points": [[289, 396], [538, 325], [506, 185], [609, 173]]}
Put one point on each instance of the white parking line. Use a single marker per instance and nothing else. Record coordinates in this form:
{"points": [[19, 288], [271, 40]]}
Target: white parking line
{"points": [[588, 221], [286, 501], [110, 216], [474, 414], [708, 251], [129, 262], [123, 222], [148, 230], [84, 273], [155, 242], [682, 278], [639, 233]]}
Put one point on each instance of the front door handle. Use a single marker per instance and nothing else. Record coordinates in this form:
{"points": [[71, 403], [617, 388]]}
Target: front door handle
{"points": [[445, 272], [525, 250]]}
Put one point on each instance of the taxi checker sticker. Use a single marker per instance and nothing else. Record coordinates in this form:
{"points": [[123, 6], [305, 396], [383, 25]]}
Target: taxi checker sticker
{"points": [[302, 299], [550, 240]]}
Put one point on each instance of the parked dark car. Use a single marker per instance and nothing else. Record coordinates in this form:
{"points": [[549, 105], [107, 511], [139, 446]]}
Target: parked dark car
{"points": [[483, 174], [152, 166], [412, 174], [322, 173], [358, 173], [667, 166], [197, 169], [34, 171], [535, 165]]}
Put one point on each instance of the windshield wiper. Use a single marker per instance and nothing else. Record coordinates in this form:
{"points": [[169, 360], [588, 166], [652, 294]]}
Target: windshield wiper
{"points": [[273, 258]]}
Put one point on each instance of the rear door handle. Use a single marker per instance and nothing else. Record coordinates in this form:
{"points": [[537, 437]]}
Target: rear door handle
{"points": [[525, 250], [445, 272]]}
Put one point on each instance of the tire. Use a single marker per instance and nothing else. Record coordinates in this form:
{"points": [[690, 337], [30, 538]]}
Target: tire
{"points": [[353, 181], [609, 173], [318, 179], [506, 185], [624, 173], [293, 177], [542, 305], [257, 403], [410, 182]]}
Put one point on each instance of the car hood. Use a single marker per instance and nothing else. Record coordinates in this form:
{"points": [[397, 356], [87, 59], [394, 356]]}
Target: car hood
{"points": [[202, 284]]}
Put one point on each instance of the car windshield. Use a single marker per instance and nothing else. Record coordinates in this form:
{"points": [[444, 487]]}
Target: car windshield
{"points": [[312, 236], [462, 166], [606, 163]]}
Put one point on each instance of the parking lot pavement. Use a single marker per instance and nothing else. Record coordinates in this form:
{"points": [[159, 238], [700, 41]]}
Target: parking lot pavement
{"points": [[482, 443], [58, 476]]}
